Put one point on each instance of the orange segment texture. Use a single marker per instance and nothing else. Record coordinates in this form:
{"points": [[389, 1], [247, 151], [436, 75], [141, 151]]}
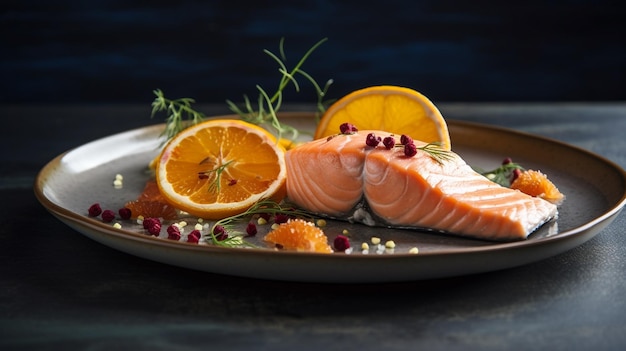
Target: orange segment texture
{"points": [[390, 108], [220, 168]]}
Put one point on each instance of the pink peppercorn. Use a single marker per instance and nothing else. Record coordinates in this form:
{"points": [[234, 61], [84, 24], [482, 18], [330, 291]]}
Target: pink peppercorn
{"points": [[410, 149], [194, 236], [507, 160], [372, 140], [516, 173], [173, 232], [347, 128], [389, 142], [95, 210], [108, 216], [281, 218], [124, 212], [220, 233], [405, 139], [341, 243], [251, 229], [152, 225]]}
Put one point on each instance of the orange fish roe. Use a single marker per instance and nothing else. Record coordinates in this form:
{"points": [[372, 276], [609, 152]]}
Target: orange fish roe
{"points": [[535, 183], [300, 235]]}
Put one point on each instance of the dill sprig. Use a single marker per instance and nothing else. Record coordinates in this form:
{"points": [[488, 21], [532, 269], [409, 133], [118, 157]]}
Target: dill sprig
{"points": [[265, 112], [176, 110], [438, 153], [236, 238], [503, 174]]}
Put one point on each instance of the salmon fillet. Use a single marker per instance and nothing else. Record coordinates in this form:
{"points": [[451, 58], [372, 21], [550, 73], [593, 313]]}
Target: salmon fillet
{"points": [[343, 178]]}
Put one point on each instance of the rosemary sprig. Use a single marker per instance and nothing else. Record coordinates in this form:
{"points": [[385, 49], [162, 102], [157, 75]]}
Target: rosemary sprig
{"points": [[268, 106], [176, 110], [236, 238]]}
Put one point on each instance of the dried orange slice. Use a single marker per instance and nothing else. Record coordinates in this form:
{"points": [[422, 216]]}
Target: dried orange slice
{"points": [[299, 235], [219, 168], [390, 108]]}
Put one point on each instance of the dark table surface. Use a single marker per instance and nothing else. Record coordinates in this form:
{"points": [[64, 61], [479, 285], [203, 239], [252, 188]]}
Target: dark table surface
{"points": [[63, 291]]}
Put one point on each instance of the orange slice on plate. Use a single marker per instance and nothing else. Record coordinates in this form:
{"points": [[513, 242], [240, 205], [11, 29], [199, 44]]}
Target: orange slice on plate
{"points": [[390, 108], [220, 168]]}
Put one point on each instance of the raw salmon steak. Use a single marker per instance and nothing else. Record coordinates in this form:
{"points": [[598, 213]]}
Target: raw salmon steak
{"points": [[341, 177]]}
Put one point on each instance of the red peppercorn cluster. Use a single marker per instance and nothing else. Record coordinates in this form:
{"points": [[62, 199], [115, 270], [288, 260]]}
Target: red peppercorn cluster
{"points": [[390, 142], [107, 216]]}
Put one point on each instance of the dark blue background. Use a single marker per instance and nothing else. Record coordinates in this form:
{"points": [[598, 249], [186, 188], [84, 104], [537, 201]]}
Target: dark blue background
{"points": [[119, 51]]}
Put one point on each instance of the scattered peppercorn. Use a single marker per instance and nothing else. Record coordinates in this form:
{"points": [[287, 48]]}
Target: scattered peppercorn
{"points": [[281, 218], [173, 232], [372, 140], [516, 173], [95, 210], [108, 216], [347, 128], [389, 142], [152, 225], [507, 160], [410, 149], [341, 243], [405, 139], [124, 213], [251, 229], [220, 233], [194, 236]]}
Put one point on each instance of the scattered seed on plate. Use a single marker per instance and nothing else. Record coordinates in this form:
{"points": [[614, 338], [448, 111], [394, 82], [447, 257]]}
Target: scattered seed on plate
{"points": [[365, 246], [321, 223], [261, 221], [117, 225], [375, 240], [118, 182], [414, 250], [198, 226], [390, 244], [345, 232]]}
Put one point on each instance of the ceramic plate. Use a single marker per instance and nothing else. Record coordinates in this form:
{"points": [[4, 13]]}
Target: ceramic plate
{"points": [[595, 190]]}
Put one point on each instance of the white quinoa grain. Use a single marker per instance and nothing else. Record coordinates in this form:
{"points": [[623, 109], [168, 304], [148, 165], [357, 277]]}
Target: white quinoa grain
{"points": [[375, 240], [198, 226], [261, 221], [117, 226], [321, 223], [390, 244], [345, 232], [365, 246], [275, 225], [414, 250]]}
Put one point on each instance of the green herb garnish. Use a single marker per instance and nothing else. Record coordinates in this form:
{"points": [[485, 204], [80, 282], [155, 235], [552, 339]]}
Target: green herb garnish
{"points": [[236, 238], [436, 152], [267, 106], [176, 110], [502, 175]]}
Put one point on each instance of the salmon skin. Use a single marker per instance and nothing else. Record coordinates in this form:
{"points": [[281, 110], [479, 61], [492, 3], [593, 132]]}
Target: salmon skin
{"points": [[341, 177]]}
